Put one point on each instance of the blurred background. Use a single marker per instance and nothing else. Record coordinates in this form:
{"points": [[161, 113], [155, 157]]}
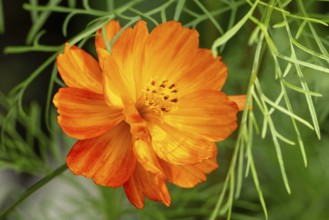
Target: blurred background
{"points": [[34, 145]]}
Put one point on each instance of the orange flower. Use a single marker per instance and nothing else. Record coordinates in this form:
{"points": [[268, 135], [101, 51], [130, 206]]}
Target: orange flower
{"points": [[147, 112]]}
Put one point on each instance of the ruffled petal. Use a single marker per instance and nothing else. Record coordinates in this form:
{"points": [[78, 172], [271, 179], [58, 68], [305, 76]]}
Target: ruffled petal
{"points": [[111, 29], [116, 86], [128, 52], [240, 101], [142, 140], [206, 114], [123, 68], [178, 147], [147, 158], [79, 69], [168, 51], [84, 114], [145, 183], [188, 176], [204, 72], [108, 159]]}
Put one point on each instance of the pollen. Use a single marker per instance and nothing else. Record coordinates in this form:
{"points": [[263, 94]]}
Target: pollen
{"points": [[160, 96]]}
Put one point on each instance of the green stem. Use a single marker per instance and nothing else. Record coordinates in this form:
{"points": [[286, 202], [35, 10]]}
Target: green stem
{"points": [[33, 189]]}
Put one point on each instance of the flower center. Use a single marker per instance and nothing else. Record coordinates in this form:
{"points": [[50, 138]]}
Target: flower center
{"points": [[160, 96]]}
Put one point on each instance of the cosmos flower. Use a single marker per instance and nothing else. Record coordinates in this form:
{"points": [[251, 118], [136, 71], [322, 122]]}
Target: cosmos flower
{"points": [[148, 111]]}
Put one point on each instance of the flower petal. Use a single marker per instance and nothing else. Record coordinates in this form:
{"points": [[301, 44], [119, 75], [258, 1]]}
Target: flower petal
{"points": [[79, 69], [111, 29], [204, 72], [178, 147], [108, 159], [147, 158], [206, 114], [143, 183], [142, 140], [123, 68], [84, 114], [168, 51], [116, 86], [128, 52], [240, 100], [188, 176]]}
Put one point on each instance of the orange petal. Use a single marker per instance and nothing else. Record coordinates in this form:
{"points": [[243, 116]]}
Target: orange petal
{"points": [[178, 147], [145, 183], [240, 100], [128, 52], [116, 86], [147, 158], [206, 114], [189, 176], [108, 159], [111, 29], [142, 144], [79, 69], [169, 50], [84, 114], [204, 72]]}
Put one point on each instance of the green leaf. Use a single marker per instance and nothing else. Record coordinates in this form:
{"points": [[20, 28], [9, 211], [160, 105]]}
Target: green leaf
{"points": [[230, 33]]}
